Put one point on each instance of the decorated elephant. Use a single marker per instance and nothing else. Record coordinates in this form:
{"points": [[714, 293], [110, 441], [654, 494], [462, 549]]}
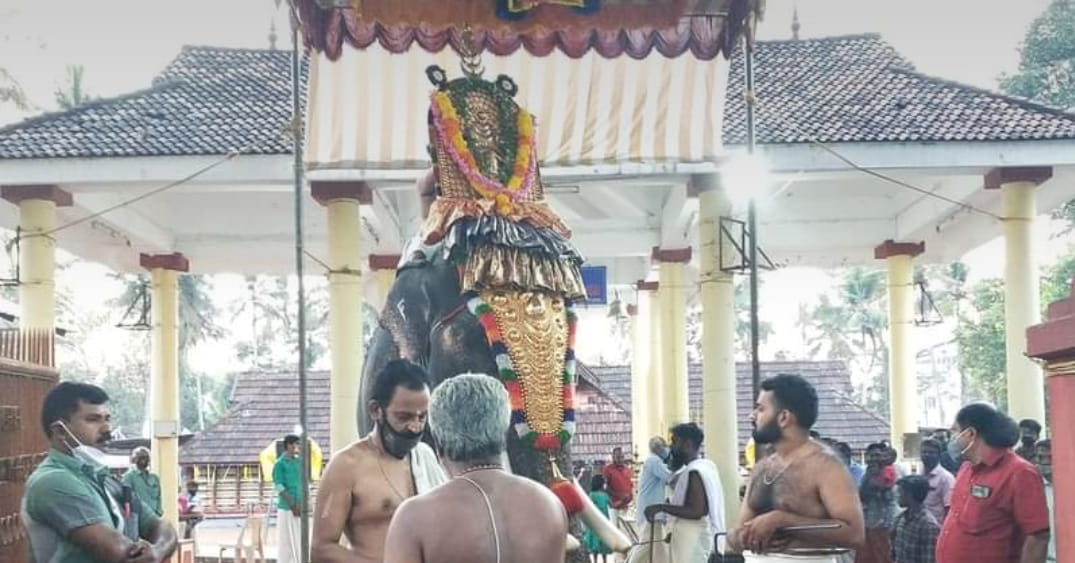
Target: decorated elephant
{"points": [[489, 283]]}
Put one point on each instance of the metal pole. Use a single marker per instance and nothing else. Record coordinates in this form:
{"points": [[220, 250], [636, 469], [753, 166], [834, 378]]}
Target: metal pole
{"points": [[752, 219], [296, 134]]}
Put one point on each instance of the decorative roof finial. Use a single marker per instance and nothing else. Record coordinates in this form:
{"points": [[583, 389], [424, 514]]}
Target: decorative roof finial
{"points": [[272, 26], [472, 58], [795, 23]]}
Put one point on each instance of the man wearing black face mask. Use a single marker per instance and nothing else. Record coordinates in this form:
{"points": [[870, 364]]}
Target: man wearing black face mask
{"points": [[366, 481]]}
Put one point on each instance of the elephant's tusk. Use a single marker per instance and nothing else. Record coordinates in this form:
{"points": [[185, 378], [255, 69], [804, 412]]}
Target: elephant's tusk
{"points": [[611, 536], [572, 545]]}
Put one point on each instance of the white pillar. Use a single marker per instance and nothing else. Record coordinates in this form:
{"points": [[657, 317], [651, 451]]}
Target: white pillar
{"points": [[719, 412], [640, 402], [1022, 301], [164, 270], [902, 376]]}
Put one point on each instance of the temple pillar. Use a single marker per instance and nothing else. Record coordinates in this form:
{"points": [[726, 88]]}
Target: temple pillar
{"points": [[1022, 300], [37, 251], [902, 389], [383, 267], [672, 301], [164, 270], [640, 431], [654, 413], [719, 412], [342, 201], [1053, 342]]}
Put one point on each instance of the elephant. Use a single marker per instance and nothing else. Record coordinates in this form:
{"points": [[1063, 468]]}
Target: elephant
{"points": [[426, 321], [488, 283]]}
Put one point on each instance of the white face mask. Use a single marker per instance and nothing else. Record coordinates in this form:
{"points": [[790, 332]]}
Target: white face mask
{"points": [[91, 456]]}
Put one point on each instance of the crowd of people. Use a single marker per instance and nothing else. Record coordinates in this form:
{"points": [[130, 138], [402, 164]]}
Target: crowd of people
{"points": [[982, 493]]}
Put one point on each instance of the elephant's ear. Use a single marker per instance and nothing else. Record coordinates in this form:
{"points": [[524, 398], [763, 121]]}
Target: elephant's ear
{"points": [[437, 76], [505, 83]]}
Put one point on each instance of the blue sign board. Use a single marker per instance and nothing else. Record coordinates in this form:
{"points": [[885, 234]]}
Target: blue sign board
{"points": [[595, 278]]}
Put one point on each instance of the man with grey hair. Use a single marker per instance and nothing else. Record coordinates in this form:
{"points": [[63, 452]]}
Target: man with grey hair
{"points": [[652, 490], [511, 518], [145, 485]]}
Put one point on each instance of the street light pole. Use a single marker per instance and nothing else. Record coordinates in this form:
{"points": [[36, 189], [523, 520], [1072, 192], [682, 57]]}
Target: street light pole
{"points": [[296, 134], [752, 218]]}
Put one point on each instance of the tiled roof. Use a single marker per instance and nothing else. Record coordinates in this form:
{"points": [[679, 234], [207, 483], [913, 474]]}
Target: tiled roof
{"points": [[840, 417], [208, 101], [213, 100], [857, 88], [264, 408]]}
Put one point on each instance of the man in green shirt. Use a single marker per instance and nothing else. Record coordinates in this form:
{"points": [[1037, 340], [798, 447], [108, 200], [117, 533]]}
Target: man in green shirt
{"points": [[287, 481], [74, 511], [145, 485]]}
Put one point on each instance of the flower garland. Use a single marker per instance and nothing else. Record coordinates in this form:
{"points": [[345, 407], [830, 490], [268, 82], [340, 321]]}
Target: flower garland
{"points": [[508, 376], [449, 130]]}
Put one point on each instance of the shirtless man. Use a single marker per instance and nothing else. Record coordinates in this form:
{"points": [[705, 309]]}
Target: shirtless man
{"points": [[484, 514], [366, 482], [800, 483]]}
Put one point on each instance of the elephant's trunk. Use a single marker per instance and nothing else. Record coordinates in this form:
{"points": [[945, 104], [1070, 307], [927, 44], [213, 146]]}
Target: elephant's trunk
{"points": [[611, 535]]}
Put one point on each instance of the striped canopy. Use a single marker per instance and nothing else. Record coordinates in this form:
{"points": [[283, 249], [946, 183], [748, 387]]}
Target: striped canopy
{"points": [[368, 109]]}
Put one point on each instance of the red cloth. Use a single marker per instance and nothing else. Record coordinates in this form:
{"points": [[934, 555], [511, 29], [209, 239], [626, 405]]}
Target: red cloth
{"points": [[619, 479], [995, 506]]}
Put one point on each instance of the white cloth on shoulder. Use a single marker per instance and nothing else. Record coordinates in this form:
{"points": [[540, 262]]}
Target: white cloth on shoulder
{"points": [[426, 469], [710, 477]]}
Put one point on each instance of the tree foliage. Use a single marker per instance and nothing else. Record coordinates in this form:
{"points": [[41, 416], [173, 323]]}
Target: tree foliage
{"points": [[1047, 66], [71, 94], [850, 326]]}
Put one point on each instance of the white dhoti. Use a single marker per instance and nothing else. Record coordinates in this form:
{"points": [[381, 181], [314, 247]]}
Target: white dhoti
{"points": [[692, 541], [789, 558], [289, 544], [646, 552]]}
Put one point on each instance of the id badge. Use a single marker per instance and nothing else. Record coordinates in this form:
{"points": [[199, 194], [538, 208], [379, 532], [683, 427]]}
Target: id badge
{"points": [[980, 491]]}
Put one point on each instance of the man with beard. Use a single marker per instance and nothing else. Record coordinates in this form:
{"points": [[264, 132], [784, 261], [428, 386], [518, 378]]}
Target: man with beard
{"points": [[73, 509], [1029, 432], [940, 480], [802, 483], [366, 482], [484, 514], [697, 503]]}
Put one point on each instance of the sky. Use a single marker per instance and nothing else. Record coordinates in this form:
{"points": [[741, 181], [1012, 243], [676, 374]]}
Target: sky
{"points": [[123, 43]]}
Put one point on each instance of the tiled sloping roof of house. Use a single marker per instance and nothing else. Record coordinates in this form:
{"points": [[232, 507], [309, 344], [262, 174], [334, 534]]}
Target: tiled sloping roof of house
{"points": [[840, 417], [855, 88], [264, 408], [207, 101]]}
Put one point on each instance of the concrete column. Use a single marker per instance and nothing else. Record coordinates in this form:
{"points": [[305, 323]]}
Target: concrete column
{"points": [[1054, 343], [164, 270], [37, 251], [1022, 299], [718, 343], [654, 414], [902, 386], [640, 430], [383, 267], [672, 300], [342, 203]]}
